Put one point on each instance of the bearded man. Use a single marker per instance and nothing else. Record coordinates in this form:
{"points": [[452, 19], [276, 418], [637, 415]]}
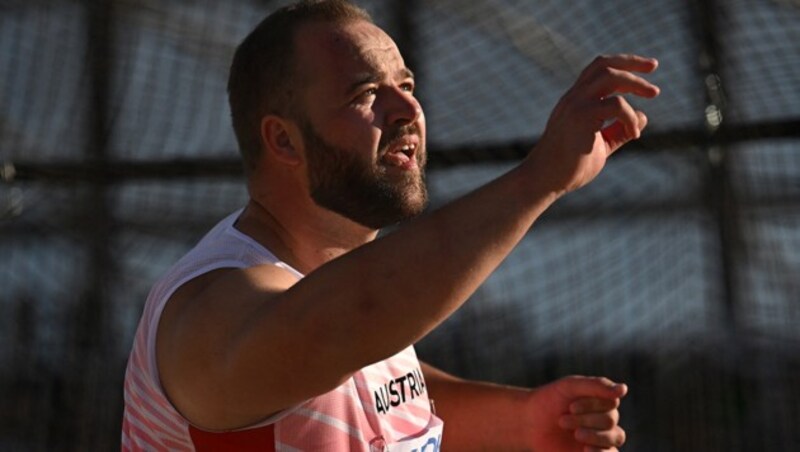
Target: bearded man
{"points": [[291, 326]]}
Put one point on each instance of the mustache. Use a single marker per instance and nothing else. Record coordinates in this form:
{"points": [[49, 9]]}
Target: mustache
{"points": [[393, 136]]}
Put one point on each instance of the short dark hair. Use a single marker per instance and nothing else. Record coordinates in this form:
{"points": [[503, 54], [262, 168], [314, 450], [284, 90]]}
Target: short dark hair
{"points": [[261, 75]]}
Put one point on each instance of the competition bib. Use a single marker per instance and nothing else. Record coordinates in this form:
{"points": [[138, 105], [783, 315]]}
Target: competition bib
{"points": [[430, 440]]}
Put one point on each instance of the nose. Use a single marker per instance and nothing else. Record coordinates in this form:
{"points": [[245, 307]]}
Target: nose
{"points": [[402, 108]]}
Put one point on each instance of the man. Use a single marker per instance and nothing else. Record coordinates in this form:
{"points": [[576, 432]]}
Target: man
{"points": [[291, 327]]}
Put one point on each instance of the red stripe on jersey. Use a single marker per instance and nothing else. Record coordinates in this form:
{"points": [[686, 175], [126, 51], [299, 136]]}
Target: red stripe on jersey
{"points": [[254, 439]]}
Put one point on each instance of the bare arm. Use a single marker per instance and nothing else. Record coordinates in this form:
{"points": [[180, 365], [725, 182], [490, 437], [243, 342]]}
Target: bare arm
{"points": [[568, 415], [239, 350]]}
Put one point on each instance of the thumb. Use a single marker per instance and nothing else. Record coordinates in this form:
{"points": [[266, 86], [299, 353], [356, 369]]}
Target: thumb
{"points": [[600, 387], [616, 135]]}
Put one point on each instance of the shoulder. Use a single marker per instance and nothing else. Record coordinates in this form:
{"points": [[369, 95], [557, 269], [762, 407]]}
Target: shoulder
{"points": [[200, 322], [228, 288]]}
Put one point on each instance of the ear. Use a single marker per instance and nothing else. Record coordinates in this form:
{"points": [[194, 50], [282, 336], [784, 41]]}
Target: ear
{"points": [[281, 139]]}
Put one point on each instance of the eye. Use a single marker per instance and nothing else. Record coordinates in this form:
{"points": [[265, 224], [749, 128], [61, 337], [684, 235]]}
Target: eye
{"points": [[365, 96], [407, 87]]}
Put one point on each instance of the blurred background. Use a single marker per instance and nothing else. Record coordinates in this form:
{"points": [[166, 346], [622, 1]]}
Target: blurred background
{"points": [[677, 271]]}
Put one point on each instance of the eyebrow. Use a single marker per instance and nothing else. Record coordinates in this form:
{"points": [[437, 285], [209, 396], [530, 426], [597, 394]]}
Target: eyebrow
{"points": [[375, 77]]}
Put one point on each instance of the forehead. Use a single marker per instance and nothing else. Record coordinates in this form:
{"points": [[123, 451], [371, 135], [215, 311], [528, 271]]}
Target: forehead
{"points": [[338, 52]]}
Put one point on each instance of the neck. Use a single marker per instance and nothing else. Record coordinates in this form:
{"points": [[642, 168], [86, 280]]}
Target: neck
{"points": [[303, 238]]}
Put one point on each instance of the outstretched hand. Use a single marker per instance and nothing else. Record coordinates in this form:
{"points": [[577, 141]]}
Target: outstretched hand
{"points": [[592, 120], [576, 414]]}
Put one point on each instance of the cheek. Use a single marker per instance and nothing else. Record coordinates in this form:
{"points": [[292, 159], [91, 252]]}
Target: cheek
{"points": [[364, 131], [352, 128]]}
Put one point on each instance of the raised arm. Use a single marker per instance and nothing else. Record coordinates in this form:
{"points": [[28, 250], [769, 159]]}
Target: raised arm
{"points": [[237, 345]]}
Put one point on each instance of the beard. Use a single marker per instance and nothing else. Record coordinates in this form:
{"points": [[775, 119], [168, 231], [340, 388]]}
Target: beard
{"points": [[343, 181]]}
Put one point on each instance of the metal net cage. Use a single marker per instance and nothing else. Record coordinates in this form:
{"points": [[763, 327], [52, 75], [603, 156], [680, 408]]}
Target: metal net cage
{"points": [[676, 271]]}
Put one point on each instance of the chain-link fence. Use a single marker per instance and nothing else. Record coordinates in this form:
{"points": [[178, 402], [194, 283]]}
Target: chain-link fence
{"points": [[676, 271]]}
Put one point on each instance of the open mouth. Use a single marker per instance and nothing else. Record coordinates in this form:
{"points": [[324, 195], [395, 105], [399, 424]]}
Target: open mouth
{"points": [[402, 154]]}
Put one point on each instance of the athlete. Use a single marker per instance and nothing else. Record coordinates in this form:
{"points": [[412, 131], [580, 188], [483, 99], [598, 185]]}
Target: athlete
{"points": [[291, 326]]}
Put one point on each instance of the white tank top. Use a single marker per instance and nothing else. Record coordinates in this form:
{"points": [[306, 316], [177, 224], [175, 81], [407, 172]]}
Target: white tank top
{"points": [[384, 406]]}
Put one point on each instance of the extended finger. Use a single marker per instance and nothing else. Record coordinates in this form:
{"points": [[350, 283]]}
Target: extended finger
{"points": [[625, 62], [608, 80], [601, 438]]}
